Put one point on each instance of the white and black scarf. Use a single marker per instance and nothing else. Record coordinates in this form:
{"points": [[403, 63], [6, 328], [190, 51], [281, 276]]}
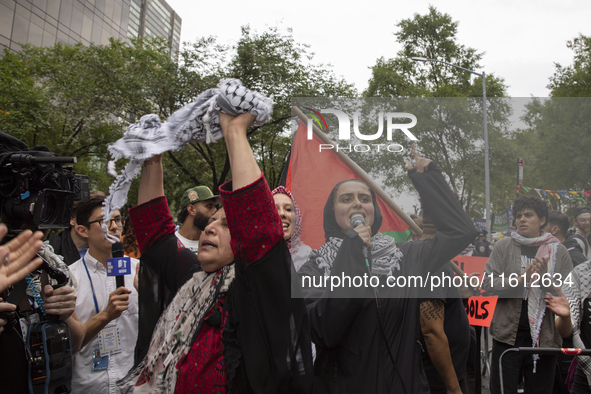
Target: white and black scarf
{"points": [[548, 245], [195, 122], [577, 291], [385, 255], [173, 334]]}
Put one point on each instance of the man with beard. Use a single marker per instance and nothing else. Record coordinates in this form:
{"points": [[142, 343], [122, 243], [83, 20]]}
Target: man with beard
{"points": [[197, 206]]}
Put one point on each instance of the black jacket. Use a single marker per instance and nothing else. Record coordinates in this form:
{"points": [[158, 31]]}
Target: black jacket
{"points": [[64, 246], [482, 248], [577, 247], [351, 354]]}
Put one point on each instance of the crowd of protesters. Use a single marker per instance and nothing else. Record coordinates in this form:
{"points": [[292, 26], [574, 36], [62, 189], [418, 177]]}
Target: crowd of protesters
{"points": [[216, 305]]}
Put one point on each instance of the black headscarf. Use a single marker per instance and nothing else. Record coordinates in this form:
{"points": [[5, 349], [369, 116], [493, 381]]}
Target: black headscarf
{"points": [[332, 228]]}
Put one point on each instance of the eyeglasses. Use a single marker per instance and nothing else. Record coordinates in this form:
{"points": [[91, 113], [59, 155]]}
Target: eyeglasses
{"points": [[118, 221]]}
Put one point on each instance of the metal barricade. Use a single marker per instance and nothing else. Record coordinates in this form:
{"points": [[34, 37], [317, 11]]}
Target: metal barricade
{"points": [[540, 350]]}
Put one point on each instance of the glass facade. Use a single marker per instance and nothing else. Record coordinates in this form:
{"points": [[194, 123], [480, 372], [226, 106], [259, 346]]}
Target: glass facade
{"points": [[45, 22]]}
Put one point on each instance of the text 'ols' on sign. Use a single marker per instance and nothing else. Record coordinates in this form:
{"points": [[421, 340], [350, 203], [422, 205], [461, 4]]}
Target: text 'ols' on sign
{"points": [[480, 310], [118, 266]]}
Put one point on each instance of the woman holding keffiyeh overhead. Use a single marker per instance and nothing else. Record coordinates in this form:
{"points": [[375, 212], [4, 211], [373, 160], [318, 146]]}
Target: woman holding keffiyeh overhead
{"points": [[521, 319], [366, 344], [232, 326]]}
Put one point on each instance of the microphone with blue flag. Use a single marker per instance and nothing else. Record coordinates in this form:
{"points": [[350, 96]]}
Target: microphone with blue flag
{"points": [[119, 265]]}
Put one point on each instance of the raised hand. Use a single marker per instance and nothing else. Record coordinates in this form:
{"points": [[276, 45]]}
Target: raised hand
{"points": [[235, 124], [558, 304], [16, 256], [421, 163]]}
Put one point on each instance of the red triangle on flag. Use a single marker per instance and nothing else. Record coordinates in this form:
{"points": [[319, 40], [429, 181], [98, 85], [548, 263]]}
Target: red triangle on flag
{"points": [[311, 176]]}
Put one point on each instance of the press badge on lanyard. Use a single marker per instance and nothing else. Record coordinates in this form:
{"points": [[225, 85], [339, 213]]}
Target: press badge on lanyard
{"points": [[110, 340], [109, 337], [99, 363]]}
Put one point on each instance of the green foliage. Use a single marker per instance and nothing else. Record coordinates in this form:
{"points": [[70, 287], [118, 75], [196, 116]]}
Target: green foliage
{"points": [[557, 142], [559, 132], [431, 36], [277, 66], [450, 132], [77, 99], [575, 80], [273, 64]]}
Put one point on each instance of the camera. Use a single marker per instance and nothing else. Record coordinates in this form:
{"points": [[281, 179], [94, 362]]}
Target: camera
{"points": [[37, 188]]}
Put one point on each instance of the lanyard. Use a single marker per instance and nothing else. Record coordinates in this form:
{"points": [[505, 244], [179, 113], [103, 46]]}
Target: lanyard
{"points": [[91, 286]]}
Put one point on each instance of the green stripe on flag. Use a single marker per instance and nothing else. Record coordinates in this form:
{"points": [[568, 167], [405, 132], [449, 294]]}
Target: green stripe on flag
{"points": [[399, 236]]}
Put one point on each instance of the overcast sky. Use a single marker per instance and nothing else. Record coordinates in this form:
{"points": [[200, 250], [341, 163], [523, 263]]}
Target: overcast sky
{"points": [[521, 39]]}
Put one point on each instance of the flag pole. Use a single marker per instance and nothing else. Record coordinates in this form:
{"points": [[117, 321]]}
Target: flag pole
{"points": [[360, 173]]}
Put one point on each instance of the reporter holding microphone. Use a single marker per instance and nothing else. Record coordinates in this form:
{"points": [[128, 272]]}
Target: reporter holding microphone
{"points": [[107, 303], [366, 337]]}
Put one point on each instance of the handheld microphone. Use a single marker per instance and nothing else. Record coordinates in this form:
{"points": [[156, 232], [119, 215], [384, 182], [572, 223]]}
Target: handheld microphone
{"points": [[357, 220], [118, 266]]}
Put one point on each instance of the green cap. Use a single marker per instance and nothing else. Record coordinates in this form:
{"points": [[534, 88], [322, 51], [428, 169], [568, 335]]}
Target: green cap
{"points": [[196, 194]]}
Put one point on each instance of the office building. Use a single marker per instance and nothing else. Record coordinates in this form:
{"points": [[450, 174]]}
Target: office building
{"points": [[45, 22]]}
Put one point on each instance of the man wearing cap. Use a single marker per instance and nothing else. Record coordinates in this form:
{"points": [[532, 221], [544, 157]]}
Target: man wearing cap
{"points": [[482, 247], [197, 206], [578, 243]]}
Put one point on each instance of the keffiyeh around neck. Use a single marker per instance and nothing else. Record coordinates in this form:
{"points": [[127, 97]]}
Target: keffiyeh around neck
{"points": [[548, 245], [195, 122], [175, 331], [386, 256]]}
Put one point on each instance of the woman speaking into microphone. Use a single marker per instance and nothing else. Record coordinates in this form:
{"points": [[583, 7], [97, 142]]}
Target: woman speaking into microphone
{"points": [[367, 337]]}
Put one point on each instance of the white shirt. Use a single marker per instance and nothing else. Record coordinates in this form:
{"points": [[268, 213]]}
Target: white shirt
{"points": [[84, 380], [193, 246]]}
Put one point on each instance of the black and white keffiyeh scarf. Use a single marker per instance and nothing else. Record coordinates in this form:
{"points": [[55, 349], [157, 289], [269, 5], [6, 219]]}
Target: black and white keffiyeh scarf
{"points": [[173, 334], [385, 255], [536, 303], [57, 263], [577, 291], [195, 122]]}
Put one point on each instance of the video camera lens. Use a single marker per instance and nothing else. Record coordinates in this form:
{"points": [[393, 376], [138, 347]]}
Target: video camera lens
{"points": [[36, 188]]}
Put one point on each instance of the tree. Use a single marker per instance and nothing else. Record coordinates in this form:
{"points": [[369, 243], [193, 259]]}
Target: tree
{"points": [[558, 139], [273, 64], [456, 146], [559, 131], [77, 99], [575, 80]]}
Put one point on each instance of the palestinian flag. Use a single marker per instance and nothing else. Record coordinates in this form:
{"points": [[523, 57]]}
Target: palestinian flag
{"points": [[310, 175]]}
